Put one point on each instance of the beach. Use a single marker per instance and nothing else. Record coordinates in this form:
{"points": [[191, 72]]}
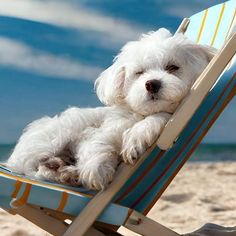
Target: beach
{"points": [[202, 192]]}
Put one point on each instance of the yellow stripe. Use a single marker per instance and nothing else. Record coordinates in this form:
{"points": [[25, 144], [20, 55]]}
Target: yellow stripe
{"points": [[202, 25], [63, 202], [21, 201], [218, 24], [232, 21], [18, 185]]}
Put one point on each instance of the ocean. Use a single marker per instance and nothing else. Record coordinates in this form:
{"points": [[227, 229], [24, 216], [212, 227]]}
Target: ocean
{"points": [[205, 152]]}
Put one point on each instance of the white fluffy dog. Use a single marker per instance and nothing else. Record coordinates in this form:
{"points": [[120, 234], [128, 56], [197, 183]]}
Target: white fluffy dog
{"points": [[142, 88]]}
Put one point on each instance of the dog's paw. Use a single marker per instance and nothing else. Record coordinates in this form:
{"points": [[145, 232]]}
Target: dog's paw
{"points": [[97, 176], [52, 163], [135, 142], [133, 147], [130, 154], [69, 175]]}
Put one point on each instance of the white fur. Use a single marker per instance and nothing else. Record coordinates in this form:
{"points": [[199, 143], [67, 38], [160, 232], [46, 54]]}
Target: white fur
{"points": [[84, 146]]}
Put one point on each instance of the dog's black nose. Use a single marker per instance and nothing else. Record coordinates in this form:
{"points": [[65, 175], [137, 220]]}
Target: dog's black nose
{"points": [[153, 86]]}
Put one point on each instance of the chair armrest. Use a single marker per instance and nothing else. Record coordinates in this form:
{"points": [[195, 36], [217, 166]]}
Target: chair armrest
{"points": [[197, 94]]}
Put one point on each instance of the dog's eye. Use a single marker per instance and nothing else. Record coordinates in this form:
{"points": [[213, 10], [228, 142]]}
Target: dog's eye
{"points": [[171, 68], [139, 72]]}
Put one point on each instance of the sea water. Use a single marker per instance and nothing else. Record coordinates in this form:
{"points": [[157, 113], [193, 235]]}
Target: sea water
{"points": [[204, 152]]}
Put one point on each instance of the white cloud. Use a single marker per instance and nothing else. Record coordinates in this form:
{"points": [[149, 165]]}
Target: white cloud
{"points": [[19, 55], [179, 11], [63, 14], [186, 9]]}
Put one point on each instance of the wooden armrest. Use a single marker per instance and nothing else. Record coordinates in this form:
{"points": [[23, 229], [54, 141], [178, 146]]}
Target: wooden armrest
{"points": [[197, 94]]}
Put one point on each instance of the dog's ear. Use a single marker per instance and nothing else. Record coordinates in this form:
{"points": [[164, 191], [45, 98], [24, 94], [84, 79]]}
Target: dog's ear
{"points": [[202, 50], [209, 51], [109, 85]]}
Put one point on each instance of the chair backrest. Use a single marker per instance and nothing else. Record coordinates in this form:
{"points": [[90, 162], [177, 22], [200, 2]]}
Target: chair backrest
{"points": [[145, 187], [212, 26]]}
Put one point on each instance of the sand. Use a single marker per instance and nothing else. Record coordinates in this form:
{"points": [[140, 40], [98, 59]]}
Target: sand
{"points": [[201, 193]]}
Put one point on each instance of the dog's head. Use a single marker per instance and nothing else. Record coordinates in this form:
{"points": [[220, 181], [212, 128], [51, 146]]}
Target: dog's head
{"points": [[153, 74]]}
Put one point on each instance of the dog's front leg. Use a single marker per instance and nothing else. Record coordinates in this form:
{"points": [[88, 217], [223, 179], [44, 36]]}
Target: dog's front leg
{"points": [[97, 162], [142, 135]]}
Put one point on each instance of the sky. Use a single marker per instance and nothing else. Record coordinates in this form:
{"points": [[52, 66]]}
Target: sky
{"points": [[52, 51]]}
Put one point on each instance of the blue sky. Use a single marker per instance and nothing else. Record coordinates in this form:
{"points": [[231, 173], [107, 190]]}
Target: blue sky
{"points": [[52, 51]]}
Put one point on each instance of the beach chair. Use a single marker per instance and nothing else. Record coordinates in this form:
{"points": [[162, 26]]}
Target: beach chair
{"points": [[135, 189]]}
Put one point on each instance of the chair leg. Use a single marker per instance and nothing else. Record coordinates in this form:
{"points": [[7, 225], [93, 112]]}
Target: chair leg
{"points": [[143, 225], [41, 219], [49, 223], [93, 232]]}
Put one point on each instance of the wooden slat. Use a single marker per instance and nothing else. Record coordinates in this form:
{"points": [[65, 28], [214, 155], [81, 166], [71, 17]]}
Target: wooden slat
{"points": [[183, 26]]}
